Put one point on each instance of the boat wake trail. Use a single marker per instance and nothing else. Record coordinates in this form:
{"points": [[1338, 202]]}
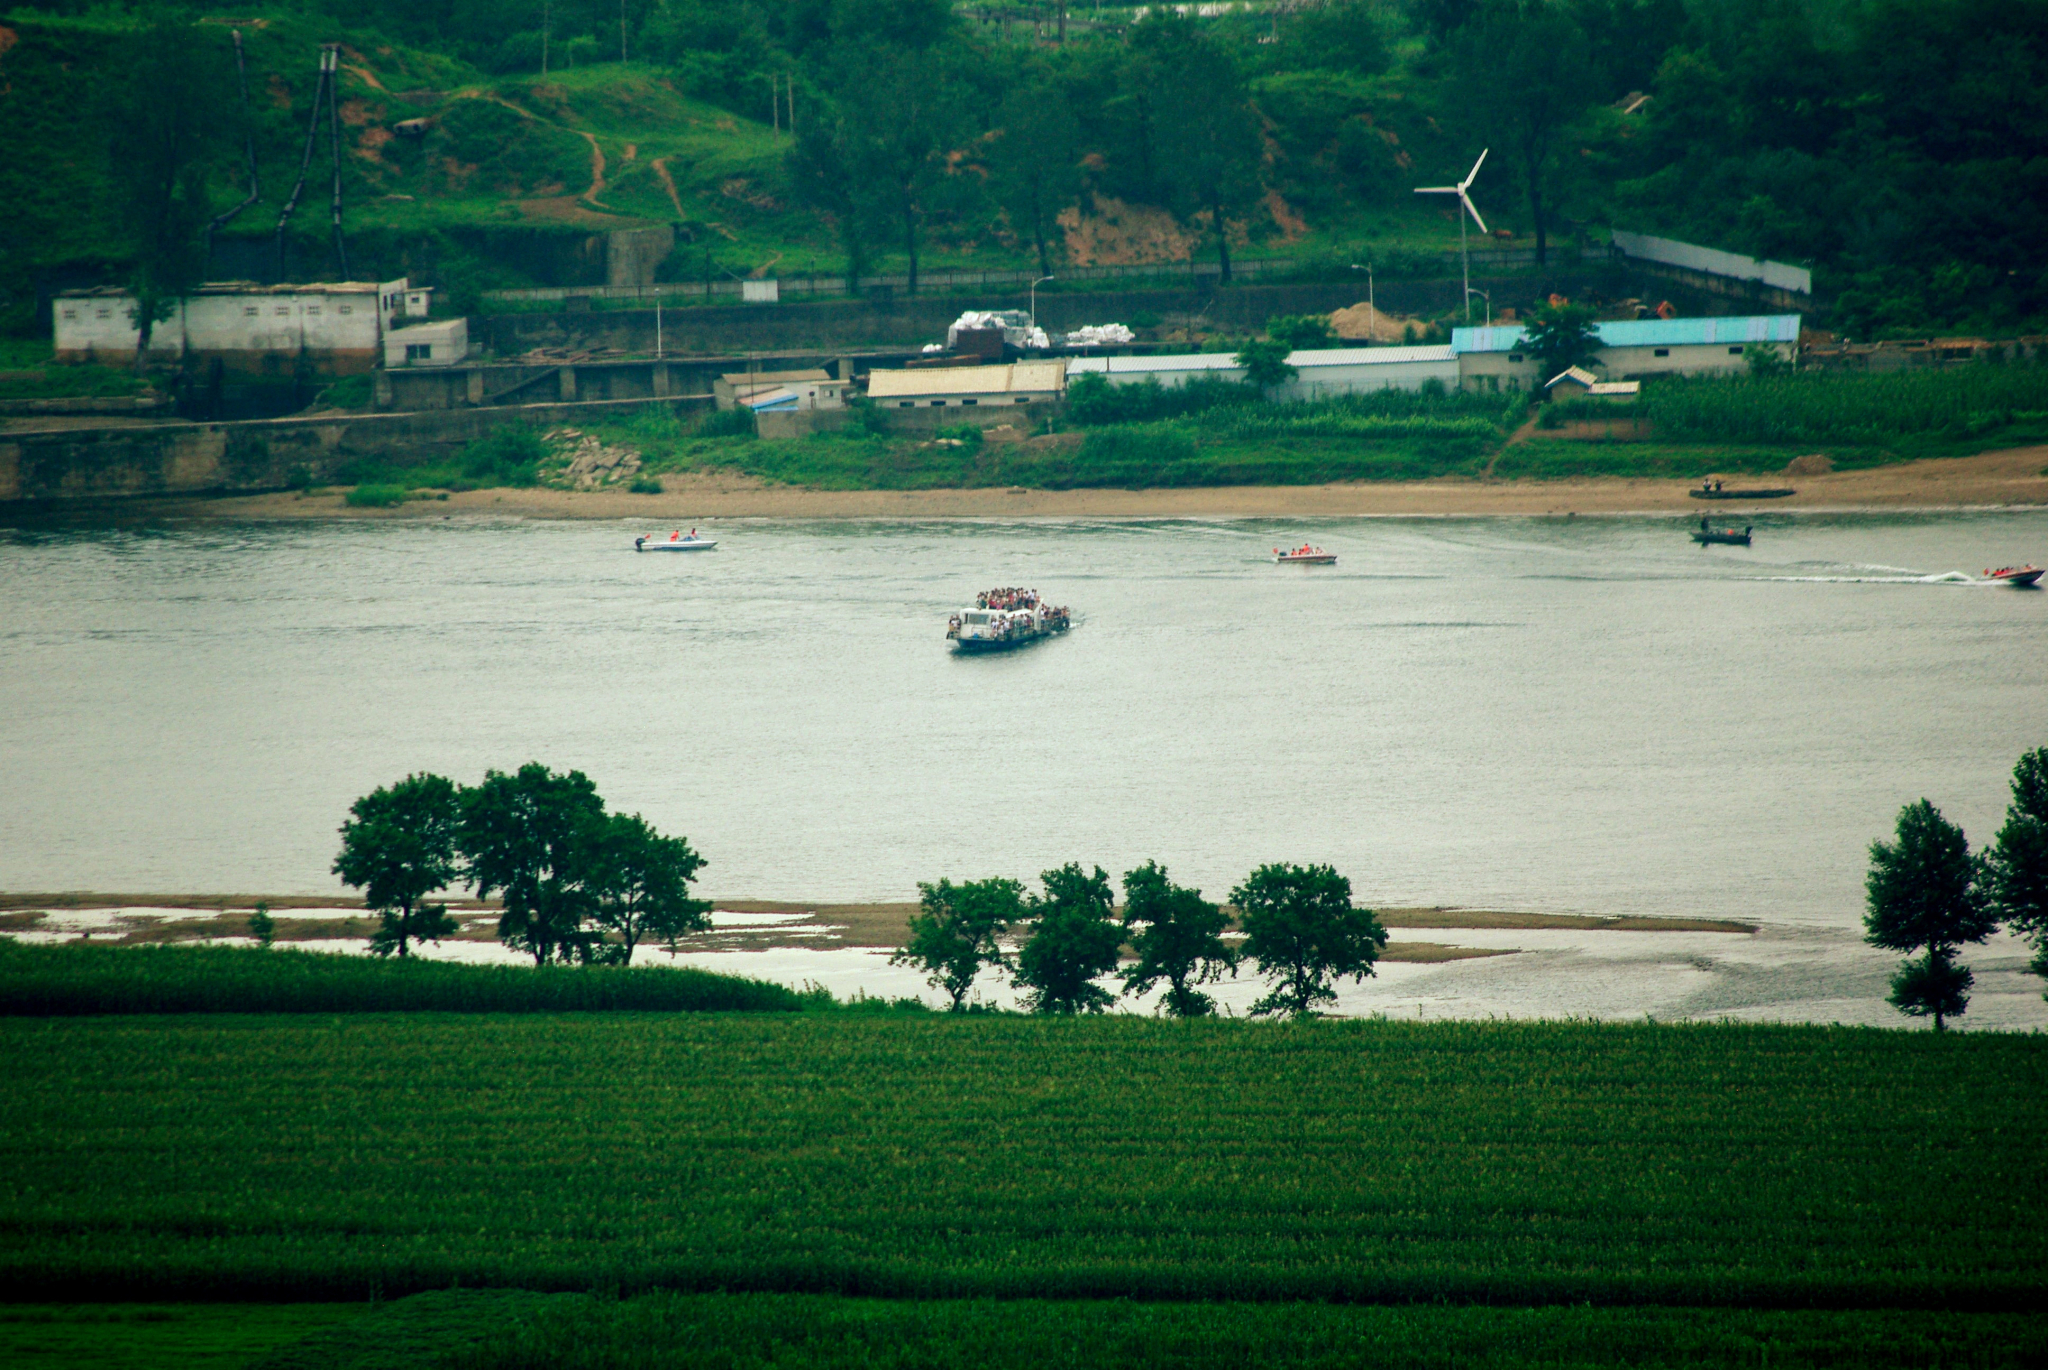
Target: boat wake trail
{"points": [[1940, 578]]}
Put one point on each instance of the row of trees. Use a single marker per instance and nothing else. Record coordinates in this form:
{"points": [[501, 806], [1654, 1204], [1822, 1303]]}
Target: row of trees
{"points": [[1927, 893], [1300, 930], [577, 884]]}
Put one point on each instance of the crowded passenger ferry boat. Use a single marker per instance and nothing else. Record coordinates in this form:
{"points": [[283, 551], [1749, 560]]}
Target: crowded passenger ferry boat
{"points": [[1005, 618]]}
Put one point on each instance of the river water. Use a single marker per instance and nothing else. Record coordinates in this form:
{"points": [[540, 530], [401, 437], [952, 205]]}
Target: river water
{"points": [[1563, 715]]}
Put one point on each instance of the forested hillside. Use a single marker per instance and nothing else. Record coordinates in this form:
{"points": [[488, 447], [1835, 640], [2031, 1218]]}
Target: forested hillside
{"points": [[1899, 146]]}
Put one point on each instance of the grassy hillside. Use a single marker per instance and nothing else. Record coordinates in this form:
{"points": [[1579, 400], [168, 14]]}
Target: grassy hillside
{"points": [[919, 1156]]}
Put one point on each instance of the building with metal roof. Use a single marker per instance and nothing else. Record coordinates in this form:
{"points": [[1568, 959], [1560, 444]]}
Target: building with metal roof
{"points": [[1493, 358], [1320, 373], [334, 327], [940, 387]]}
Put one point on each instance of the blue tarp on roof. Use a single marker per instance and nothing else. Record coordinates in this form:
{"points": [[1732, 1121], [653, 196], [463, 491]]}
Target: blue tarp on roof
{"points": [[1746, 328]]}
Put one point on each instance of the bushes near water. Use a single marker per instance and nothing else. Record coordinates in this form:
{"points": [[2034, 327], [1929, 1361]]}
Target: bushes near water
{"points": [[509, 455], [69, 979]]}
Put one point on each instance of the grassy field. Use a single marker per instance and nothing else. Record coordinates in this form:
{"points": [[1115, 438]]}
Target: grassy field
{"points": [[74, 978], [188, 1336], [295, 1157]]}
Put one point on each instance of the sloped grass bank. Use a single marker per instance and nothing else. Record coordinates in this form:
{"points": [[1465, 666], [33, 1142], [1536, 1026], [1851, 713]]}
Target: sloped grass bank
{"points": [[70, 978], [291, 1157]]}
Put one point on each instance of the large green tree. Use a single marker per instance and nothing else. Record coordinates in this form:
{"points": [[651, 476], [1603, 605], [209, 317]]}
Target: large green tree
{"points": [[1302, 931], [2018, 860], [398, 846], [1178, 936], [1524, 74], [1562, 336], [953, 933], [1204, 133], [166, 118], [642, 885], [1924, 894], [1034, 162], [533, 836], [1074, 939]]}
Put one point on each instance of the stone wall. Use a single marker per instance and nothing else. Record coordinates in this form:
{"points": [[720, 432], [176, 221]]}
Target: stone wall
{"points": [[153, 460]]}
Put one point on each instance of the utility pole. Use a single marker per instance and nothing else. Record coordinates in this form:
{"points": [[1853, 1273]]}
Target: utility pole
{"points": [[330, 62], [546, 25], [622, 30]]}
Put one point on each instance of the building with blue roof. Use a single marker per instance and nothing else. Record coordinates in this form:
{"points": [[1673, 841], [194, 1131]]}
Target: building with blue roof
{"points": [[1630, 349]]}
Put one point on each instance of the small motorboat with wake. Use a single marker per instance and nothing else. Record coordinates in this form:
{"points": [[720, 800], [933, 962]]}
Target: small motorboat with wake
{"points": [[1304, 555], [1707, 534], [1002, 619], [2022, 576], [678, 541]]}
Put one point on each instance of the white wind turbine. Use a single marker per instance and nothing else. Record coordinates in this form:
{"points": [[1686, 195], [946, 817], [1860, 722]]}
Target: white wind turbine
{"points": [[1464, 251]]}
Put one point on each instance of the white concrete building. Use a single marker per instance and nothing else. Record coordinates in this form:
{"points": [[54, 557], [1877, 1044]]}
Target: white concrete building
{"points": [[338, 327], [941, 387], [1320, 373], [1576, 382], [1630, 349], [776, 391], [427, 344]]}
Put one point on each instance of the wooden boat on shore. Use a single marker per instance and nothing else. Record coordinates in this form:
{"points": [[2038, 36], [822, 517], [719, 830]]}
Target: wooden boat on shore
{"points": [[677, 541], [2021, 576], [1756, 492], [1304, 555]]}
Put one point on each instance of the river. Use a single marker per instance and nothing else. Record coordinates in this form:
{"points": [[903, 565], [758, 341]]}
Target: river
{"points": [[1589, 715]]}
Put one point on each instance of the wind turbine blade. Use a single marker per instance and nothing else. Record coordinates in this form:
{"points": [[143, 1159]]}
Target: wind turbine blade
{"points": [[1473, 174], [1436, 190], [1473, 210]]}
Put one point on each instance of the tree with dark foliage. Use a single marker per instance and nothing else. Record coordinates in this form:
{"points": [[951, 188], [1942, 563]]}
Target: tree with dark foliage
{"points": [[399, 845], [642, 884], [1303, 933], [2018, 860], [953, 933], [1074, 938], [533, 836], [1178, 938], [1924, 893]]}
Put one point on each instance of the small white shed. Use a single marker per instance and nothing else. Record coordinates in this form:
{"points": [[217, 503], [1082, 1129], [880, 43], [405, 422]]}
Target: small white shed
{"points": [[427, 344]]}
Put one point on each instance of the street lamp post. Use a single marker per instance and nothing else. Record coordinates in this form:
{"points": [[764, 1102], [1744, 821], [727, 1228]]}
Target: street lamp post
{"points": [[1469, 293], [1034, 300], [1372, 309]]}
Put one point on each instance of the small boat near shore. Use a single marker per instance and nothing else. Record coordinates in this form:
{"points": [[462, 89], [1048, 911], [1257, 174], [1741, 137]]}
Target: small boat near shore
{"points": [[1005, 619], [1707, 535], [2021, 576], [678, 541], [1304, 555]]}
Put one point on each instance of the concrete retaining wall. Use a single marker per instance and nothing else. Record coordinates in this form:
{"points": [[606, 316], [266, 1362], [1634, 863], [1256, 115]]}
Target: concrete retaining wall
{"points": [[154, 460]]}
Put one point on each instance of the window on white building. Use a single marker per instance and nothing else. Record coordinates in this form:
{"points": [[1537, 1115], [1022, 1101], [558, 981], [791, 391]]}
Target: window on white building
{"points": [[283, 311], [70, 313], [312, 309], [103, 313], [419, 352], [348, 309], [249, 311], [1661, 352], [1515, 357], [1734, 351]]}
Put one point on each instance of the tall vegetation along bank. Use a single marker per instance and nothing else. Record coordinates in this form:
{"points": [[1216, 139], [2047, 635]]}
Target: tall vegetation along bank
{"points": [[932, 1155], [77, 978], [1886, 410]]}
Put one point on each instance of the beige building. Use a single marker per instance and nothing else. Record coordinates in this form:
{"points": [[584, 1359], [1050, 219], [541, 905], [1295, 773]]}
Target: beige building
{"points": [[945, 387]]}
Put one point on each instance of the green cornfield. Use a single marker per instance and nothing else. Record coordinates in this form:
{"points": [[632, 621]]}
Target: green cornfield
{"points": [[75, 978], [312, 1156], [510, 1330], [1831, 408]]}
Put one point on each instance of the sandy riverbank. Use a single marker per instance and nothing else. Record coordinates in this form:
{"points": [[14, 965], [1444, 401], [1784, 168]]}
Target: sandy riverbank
{"points": [[2012, 477]]}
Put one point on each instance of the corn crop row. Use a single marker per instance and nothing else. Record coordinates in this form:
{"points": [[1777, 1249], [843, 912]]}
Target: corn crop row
{"points": [[937, 1157]]}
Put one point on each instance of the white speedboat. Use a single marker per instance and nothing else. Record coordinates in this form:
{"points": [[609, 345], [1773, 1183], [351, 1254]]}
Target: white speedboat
{"points": [[677, 541], [1304, 555]]}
